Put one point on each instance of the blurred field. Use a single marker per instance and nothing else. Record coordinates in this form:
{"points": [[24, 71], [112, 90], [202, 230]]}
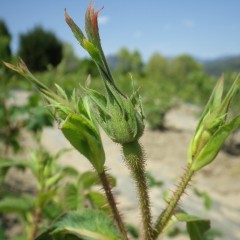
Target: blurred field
{"points": [[173, 93]]}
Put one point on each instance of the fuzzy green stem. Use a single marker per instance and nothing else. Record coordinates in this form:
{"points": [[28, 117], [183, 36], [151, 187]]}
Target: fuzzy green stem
{"points": [[166, 215], [112, 203], [134, 158]]}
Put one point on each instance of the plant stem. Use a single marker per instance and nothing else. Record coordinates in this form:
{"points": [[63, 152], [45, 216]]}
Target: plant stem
{"points": [[112, 203], [134, 158], [172, 203], [36, 220]]}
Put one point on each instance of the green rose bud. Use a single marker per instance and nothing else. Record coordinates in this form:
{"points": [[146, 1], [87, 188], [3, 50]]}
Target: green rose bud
{"points": [[214, 127], [121, 117]]}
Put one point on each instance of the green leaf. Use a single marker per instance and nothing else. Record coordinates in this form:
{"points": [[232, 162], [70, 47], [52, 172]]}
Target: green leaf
{"points": [[81, 133], [99, 201], [87, 224], [73, 196], [153, 182], [52, 210], [112, 180], [8, 162], [88, 179], [2, 232], [92, 50], [206, 198], [12, 204], [45, 197], [98, 99], [46, 235], [54, 180], [133, 231], [61, 92], [22, 237], [61, 152], [211, 149], [70, 171], [196, 227]]}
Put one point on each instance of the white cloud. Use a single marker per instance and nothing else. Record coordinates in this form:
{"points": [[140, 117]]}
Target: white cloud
{"points": [[103, 19]]}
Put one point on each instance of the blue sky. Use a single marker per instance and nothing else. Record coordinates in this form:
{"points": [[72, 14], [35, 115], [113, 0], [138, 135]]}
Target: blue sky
{"points": [[204, 29]]}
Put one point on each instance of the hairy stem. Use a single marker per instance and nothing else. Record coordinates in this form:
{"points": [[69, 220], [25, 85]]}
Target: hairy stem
{"points": [[112, 203], [134, 158], [172, 203]]}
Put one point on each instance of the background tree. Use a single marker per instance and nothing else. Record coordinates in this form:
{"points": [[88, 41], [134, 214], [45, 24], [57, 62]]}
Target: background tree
{"points": [[40, 48], [157, 67], [87, 66], [128, 62], [70, 62], [184, 65], [5, 40]]}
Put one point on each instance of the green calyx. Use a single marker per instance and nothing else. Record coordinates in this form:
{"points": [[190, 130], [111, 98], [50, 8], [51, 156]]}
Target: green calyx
{"points": [[120, 117], [214, 127]]}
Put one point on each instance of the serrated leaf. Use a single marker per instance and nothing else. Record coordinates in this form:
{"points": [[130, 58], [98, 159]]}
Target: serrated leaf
{"points": [[73, 196], [87, 224]]}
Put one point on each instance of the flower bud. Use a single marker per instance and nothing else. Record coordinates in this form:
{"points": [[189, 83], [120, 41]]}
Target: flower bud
{"points": [[214, 127], [119, 116]]}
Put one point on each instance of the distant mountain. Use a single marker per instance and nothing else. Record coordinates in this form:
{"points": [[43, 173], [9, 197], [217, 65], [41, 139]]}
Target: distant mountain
{"points": [[222, 65]]}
